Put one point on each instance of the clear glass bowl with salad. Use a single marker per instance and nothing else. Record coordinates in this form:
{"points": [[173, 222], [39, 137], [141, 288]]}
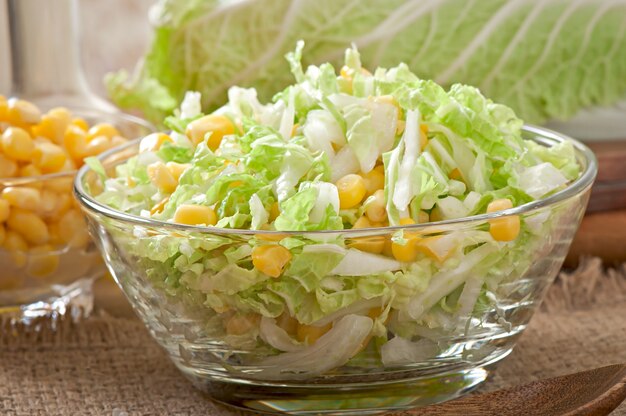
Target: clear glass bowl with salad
{"points": [[365, 242]]}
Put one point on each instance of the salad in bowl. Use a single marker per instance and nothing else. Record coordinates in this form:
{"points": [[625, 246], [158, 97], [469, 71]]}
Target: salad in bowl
{"points": [[364, 241]]}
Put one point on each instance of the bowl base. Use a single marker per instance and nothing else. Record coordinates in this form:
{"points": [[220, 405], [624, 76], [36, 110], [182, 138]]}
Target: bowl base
{"points": [[344, 399], [47, 305]]}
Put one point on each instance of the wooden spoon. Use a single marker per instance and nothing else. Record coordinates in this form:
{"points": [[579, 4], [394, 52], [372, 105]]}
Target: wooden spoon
{"points": [[590, 393]]}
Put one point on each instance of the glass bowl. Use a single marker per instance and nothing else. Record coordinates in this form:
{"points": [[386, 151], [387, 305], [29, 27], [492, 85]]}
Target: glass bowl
{"points": [[395, 340], [54, 278]]}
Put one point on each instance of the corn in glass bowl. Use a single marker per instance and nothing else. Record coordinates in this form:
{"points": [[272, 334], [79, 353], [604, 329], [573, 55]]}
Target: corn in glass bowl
{"points": [[48, 261], [422, 346]]}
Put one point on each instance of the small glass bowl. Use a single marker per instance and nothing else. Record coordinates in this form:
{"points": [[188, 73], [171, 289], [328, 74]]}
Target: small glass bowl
{"points": [[55, 278], [460, 320]]}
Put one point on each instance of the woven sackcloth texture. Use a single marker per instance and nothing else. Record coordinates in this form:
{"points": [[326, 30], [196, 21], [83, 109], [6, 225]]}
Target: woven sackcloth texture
{"points": [[111, 366]]}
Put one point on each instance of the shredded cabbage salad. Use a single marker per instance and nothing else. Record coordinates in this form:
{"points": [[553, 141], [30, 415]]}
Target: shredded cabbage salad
{"points": [[337, 152]]}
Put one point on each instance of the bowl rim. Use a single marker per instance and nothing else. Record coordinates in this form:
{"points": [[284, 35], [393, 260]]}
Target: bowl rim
{"points": [[79, 111], [542, 135]]}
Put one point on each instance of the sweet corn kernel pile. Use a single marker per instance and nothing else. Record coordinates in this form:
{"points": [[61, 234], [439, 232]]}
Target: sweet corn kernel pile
{"points": [[40, 216]]}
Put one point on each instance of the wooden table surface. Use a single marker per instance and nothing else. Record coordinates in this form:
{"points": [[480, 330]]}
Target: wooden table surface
{"points": [[601, 234]]}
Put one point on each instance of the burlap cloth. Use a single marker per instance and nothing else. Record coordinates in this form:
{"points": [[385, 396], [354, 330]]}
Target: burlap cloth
{"points": [[111, 366]]}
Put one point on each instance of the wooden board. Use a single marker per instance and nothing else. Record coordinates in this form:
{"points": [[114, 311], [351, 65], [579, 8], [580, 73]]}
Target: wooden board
{"points": [[609, 191], [601, 234], [611, 160]]}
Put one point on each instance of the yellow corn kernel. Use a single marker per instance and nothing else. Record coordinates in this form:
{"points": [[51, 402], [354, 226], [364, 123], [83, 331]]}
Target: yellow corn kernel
{"points": [[22, 197], [158, 207], [118, 141], [4, 210], [21, 112], [4, 109], [373, 244], [161, 177], [38, 185], [310, 333], [8, 167], [456, 175], [75, 142], [17, 247], [375, 312], [274, 211], [63, 204], [242, 324], [423, 217], [270, 260], [153, 142], [269, 237], [102, 129], [29, 170], [423, 136], [351, 190], [195, 215], [39, 139], [81, 123], [97, 145], [503, 228], [218, 125], [499, 205], [73, 230], [49, 157], [387, 249], [376, 210], [287, 323], [374, 180], [362, 222], [130, 182], [54, 234], [69, 165], [62, 114], [48, 203], [17, 144], [53, 125], [42, 261], [428, 247], [177, 169], [407, 221], [61, 185], [435, 215], [29, 225], [346, 72], [407, 252]]}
